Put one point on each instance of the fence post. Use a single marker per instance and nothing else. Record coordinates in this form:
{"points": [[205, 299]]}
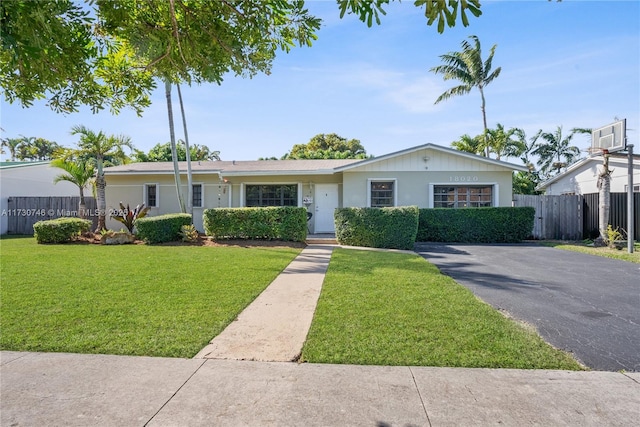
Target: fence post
{"points": [[630, 218]]}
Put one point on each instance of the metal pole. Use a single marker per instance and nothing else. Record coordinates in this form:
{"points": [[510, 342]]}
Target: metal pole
{"points": [[630, 216]]}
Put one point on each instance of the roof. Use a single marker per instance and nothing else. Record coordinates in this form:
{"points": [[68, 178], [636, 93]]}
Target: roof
{"points": [[11, 165], [435, 147], [229, 168], [288, 167], [577, 165]]}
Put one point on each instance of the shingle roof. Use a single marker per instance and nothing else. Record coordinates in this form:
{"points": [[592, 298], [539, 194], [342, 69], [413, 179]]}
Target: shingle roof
{"points": [[235, 167]]}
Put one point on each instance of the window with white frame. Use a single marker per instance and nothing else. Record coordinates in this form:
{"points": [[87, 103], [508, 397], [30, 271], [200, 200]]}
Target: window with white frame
{"points": [[382, 193], [636, 188], [197, 196], [151, 195], [271, 195], [468, 196]]}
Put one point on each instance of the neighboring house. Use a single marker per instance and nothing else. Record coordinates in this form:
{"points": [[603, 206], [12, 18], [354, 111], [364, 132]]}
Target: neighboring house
{"points": [[582, 176], [19, 179], [426, 176]]}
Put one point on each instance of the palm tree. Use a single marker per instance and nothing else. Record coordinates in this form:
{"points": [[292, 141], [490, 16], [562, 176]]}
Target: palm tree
{"points": [[187, 150], [469, 144], [80, 173], [556, 152], [468, 67], [174, 150], [12, 144], [98, 147], [505, 142], [529, 147]]}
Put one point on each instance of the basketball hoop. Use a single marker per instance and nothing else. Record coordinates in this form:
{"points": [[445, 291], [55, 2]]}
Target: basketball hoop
{"points": [[608, 139]]}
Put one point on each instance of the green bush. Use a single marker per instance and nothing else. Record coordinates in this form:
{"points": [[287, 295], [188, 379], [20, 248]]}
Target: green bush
{"points": [[377, 227], [270, 223], [476, 225], [162, 228], [60, 230]]}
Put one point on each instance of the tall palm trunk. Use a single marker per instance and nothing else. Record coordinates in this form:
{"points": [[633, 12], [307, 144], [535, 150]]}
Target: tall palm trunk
{"points": [[82, 206], [101, 184], [484, 122], [188, 154], [604, 208], [174, 151]]}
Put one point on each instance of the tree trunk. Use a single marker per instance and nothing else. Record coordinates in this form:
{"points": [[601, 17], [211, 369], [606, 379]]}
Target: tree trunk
{"points": [[102, 203], [604, 208], [82, 207], [174, 152], [188, 154], [484, 122]]}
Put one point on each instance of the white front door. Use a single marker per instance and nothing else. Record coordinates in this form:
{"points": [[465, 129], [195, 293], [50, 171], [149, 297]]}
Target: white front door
{"points": [[326, 200]]}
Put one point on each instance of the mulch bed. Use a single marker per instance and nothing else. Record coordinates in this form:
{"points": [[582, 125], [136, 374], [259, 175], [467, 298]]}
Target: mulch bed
{"points": [[94, 238]]}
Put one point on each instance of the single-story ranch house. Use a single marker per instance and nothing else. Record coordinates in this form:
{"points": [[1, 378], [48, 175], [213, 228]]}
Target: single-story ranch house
{"points": [[425, 176]]}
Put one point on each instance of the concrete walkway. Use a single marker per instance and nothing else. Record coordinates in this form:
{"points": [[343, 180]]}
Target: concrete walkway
{"points": [[274, 326]]}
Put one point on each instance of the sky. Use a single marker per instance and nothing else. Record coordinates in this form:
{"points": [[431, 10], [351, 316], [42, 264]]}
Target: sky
{"points": [[570, 64]]}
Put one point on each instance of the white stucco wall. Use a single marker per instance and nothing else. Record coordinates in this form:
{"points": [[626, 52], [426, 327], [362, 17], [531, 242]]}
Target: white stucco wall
{"points": [[584, 179], [417, 172], [217, 194], [30, 180]]}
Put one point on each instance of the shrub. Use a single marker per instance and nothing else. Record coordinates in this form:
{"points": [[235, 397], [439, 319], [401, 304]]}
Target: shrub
{"points": [[377, 227], [270, 223], [476, 225], [60, 230], [162, 228]]}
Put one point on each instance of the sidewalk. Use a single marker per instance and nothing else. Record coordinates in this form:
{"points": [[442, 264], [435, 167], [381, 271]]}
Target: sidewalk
{"points": [[214, 389], [56, 389]]}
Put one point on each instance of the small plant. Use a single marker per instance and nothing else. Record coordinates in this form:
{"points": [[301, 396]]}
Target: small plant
{"points": [[614, 237], [189, 233], [128, 216]]}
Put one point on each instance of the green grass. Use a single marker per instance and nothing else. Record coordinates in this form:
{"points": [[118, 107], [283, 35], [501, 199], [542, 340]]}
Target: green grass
{"points": [[606, 252], [131, 299], [381, 308]]}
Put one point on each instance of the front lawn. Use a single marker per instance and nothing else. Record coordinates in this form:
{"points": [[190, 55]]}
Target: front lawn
{"points": [[381, 308], [621, 254], [131, 299]]}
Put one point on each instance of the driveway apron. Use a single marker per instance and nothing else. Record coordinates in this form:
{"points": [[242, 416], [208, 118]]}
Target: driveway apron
{"points": [[584, 304]]}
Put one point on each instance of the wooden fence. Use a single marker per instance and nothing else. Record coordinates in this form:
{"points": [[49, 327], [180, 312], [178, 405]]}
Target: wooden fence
{"points": [[575, 217], [23, 212], [557, 217]]}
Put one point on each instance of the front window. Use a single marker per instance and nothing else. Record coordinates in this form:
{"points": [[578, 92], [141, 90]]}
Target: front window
{"points": [[445, 196], [151, 195], [272, 195], [197, 196], [382, 194]]}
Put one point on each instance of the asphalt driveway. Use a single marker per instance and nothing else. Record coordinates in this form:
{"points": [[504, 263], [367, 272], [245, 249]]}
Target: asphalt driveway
{"points": [[584, 304]]}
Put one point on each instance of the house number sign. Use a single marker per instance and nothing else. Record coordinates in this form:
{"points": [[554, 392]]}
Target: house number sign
{"points": [[463, 178]]}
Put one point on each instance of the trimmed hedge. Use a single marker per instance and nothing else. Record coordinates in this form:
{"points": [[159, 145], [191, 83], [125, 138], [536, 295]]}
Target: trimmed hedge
{"points": [[476, 225], [393, 228], [60, 230], [161, 228], [268, 223]]}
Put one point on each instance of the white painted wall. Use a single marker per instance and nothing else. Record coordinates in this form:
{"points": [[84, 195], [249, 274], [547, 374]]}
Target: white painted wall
{"points": [[584, 179], [30, 180]]}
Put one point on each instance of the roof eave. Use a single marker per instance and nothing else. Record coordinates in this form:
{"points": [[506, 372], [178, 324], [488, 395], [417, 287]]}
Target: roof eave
{"points": [[437, 148]]}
